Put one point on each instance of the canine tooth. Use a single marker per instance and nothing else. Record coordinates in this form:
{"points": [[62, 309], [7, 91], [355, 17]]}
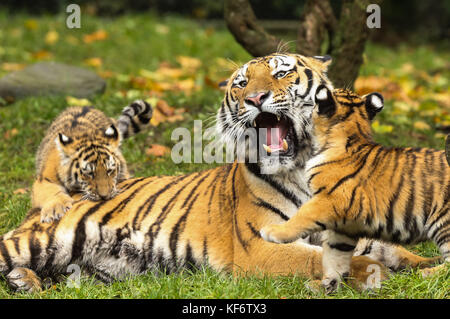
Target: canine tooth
{"points": [[278, 117], [254, 123], [285, 145], [267, 148]]}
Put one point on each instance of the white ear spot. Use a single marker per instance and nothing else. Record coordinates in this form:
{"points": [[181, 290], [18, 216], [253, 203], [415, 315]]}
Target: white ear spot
{"points": [[109, 131], [376, 102], [322, 94], [64, 139]]}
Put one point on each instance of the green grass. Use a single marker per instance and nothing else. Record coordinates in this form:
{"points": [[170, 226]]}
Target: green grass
{"points": [[137, 42]]}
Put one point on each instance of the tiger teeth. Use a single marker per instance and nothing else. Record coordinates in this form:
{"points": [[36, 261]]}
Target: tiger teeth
{"points": [[278, 118], [285, 145], [267, 148], [254, 123]]}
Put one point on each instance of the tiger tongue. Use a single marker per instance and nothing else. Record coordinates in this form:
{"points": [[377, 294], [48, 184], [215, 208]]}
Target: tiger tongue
{"points": [[275, 137]]}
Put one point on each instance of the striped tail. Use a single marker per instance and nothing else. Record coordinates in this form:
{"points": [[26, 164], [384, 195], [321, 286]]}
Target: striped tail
{"points": [[134, 117]]}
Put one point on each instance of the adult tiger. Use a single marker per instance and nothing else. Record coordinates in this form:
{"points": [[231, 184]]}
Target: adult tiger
{"points": [[210, 217]]}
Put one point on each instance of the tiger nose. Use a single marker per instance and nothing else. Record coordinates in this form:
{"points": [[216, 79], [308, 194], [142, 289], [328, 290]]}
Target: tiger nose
{"points": [[257, 99]]}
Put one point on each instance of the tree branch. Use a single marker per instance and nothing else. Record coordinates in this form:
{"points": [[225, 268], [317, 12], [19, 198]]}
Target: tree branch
{"points": [[243, 24], [348, 43], [317, 18]]}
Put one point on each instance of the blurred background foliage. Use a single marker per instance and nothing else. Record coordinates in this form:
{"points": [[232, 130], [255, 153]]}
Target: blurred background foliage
{"points": [[412, 20]]}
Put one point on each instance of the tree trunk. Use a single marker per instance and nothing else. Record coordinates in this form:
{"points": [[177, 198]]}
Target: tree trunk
{"points": [[242, 23], [346, 36], [347, 43]]}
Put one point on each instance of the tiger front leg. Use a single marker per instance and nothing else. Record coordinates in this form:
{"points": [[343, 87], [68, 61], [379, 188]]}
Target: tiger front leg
{"points": [[336, 261], [23, 279], [52, 199], [312, 217]]}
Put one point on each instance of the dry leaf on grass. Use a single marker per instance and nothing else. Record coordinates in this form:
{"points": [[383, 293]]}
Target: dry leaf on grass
{"points": [[98, 35], [12, 66], [10, 133], [51, 37], [95, 62], [20, 191], [163, 112], [73, 101], [157, 150], [419, 125], [42, 55]]}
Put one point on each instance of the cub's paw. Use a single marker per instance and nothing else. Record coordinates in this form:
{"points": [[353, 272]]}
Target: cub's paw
{"points": [[55, 209], [273, 233], [428, 272], [23, 279], [331, 284]]}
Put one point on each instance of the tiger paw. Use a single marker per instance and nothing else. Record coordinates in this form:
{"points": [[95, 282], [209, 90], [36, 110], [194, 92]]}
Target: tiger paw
{"points": [[431, 271], [23, 279], [274, 234], [55, 209], [331, 284]]}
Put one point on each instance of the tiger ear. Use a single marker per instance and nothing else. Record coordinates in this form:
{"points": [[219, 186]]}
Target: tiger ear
{"points": [[374, 103], [111, 132], [322, 61], [326, 104], [64, 140]]}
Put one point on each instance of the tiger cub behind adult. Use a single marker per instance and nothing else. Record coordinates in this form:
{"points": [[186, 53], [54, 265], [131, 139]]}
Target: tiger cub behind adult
{"points": [[363, 189], [80, 153]]}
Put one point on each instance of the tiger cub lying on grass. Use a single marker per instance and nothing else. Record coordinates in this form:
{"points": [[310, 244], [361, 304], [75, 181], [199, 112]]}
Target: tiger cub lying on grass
{"points": [[362, 189], [80, 153]]}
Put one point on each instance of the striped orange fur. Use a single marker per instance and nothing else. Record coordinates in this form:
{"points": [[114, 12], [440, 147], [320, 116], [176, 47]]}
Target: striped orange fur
{"points": [[363, 189], [209, 217]]}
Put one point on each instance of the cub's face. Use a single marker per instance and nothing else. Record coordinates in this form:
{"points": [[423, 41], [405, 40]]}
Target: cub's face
{"points": [[272, 97], [344, 114], [92, 167]]}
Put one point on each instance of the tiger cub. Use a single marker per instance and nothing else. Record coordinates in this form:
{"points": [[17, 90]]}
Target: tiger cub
{"points": [[80, 153], [362, 189]]}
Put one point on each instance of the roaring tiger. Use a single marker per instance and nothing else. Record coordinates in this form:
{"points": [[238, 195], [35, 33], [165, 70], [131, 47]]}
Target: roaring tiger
{"points": [[209, 217], [363, 189], [80, 153]]}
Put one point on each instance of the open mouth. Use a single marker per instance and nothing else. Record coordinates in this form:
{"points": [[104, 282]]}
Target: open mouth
{"points": [[279, 137]]}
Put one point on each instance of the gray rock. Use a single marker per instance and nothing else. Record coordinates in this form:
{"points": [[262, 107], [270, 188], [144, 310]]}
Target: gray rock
{"points": [[50, 78]]}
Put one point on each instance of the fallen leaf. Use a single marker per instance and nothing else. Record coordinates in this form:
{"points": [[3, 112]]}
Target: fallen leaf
{"points": [[157, 117], [98, 35], [41, 55], [165, 108], [51, 37], [157, 150], [188, 62], [419, 125], [10, 133], [106, 74], [95, 62], [12, 66], [73, 101], [20, 191]]}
